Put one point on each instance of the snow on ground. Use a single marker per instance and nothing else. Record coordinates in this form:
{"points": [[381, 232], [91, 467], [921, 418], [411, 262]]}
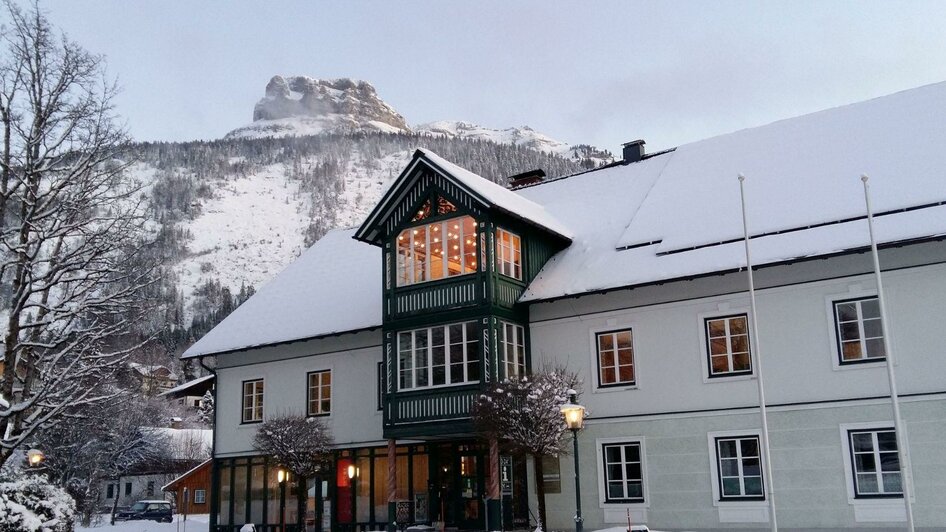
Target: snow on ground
{"points": [[250, 229], [194, 523]]}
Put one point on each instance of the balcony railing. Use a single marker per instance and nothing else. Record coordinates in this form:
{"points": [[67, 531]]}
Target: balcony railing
{"points": [[438, 404], [436, 295]]}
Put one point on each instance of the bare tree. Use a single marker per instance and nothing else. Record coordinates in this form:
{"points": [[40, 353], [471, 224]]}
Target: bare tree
{"points": [[73, 278], [302, 445], [524, 414]]}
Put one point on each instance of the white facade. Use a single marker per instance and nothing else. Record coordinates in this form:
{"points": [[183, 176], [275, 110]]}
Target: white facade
{"points": [[676, 411]]}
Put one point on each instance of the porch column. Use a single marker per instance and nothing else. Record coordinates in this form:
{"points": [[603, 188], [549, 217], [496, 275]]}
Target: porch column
{"points": [[392, 485], [494, 509]]}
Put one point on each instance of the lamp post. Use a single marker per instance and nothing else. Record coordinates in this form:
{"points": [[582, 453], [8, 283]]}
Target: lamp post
{"points": [[281, 476], [574, 419]]}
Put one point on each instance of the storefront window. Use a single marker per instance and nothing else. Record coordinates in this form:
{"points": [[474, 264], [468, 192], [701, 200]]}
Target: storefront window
{"points": [[223, 517], [239, 492]]}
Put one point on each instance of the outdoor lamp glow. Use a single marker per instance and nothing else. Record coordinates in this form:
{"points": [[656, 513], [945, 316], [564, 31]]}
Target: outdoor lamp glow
{"points": [[35, 457], [574, 413], [281, 475]]}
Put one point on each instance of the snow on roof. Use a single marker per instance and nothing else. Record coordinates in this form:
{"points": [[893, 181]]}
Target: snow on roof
{"points": [[333, 287], [500, 197], [800, 172], [189, 384], [667, 217]]}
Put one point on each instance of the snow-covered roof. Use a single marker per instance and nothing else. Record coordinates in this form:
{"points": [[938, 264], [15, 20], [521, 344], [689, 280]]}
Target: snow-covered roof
{"points": [[800, 173], [196, 383], [667, 217], [501, 197], [333, 287]]}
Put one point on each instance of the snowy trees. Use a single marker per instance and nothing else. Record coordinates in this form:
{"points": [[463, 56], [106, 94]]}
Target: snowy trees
{"points": [[72, 275], [524, 414], [300, 444]]}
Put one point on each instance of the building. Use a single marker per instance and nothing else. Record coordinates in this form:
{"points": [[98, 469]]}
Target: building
{"points": [[633, 275], [186, 449], [191, 490]]}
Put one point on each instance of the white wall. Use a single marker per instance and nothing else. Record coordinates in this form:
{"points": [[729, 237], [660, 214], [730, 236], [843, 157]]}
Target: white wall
{"points": [[354, 419]]}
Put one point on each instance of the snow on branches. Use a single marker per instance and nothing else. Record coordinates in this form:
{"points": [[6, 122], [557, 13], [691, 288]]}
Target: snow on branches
{"points": [[302, 445], [524, 412], [75, 272]]}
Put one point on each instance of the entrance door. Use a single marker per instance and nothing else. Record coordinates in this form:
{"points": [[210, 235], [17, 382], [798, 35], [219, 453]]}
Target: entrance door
{"points": [[470, 506], [457, 478]]}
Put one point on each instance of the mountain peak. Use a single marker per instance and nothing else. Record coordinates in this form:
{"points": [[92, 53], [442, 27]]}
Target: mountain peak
{"points": [[300, 105]]}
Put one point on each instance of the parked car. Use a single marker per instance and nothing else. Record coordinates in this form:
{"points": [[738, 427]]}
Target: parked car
{"points": [[147, 510]]}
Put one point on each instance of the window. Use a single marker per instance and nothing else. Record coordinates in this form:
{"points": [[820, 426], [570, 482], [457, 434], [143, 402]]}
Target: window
{"points": [[200, 496], [875, 463], [512, 349], [615, 358], [727, 339], [319, 396], [253, 401], [436, 251], [438, 356], [739, 465], [509, 254], [623, 472], [860, 332]]}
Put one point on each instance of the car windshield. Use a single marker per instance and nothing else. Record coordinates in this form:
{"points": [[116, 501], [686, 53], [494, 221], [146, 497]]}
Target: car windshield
{"points": [[138, 506]]}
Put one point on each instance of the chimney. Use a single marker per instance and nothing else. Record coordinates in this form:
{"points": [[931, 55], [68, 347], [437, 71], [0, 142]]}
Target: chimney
{"points": [[526, 178], [633, 151]]}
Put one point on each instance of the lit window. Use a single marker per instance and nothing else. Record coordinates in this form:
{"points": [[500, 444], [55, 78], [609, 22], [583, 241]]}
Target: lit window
{"points": [[200, 496], [623, 472], [859, 330], [728, 346], [876, 464], [509, 254], [320, 393], [512, 349], [438, 356], [253, 401], [616, 358], [436, 251], [739, 465]]}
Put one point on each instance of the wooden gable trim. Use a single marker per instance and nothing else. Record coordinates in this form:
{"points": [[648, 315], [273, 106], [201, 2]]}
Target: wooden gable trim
{"points": [[410, 186]]}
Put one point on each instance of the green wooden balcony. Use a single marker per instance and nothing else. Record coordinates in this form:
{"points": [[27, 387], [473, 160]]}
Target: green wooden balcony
{"points": [[429, 411]]}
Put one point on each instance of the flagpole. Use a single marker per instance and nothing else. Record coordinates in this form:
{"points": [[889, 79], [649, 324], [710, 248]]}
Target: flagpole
{"points": [[899, 428], [767, 454]]}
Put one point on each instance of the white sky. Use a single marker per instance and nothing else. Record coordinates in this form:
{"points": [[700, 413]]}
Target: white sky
{"points": [[595, 72]]}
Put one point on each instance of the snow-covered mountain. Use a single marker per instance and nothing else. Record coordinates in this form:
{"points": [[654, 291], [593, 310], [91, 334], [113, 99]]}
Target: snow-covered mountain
{"points": [[300, 106], [523, 136]]}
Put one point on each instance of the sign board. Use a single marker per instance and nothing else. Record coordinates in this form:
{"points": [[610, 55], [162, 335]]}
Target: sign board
{"points": [[505, 475]]}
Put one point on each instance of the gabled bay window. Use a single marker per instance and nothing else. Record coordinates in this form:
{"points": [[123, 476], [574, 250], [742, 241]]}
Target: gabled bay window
{"points": [[436, 251], [438, 356]]}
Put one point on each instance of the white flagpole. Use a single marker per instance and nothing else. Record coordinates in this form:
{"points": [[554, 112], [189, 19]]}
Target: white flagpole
{"points": [[767, 454], [899, 428]]}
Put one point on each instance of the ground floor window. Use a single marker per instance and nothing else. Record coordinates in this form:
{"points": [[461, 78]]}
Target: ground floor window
{"points": [[739, 466], [875, 463], [623, 472]]}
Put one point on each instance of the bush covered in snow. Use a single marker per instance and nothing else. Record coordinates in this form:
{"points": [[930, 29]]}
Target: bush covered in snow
{"points": [[32, 504]]}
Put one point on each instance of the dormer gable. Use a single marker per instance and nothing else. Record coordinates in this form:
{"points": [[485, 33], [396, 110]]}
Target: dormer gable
{"points": [[431, 186]]}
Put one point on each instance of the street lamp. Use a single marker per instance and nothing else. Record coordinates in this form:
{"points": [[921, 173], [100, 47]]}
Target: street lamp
{"points": [[574, 419], [35, 457], [281, 477]]}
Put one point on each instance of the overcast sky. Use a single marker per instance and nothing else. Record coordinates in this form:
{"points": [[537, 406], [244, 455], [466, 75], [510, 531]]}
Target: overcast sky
{"points": [[595, 72]]}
